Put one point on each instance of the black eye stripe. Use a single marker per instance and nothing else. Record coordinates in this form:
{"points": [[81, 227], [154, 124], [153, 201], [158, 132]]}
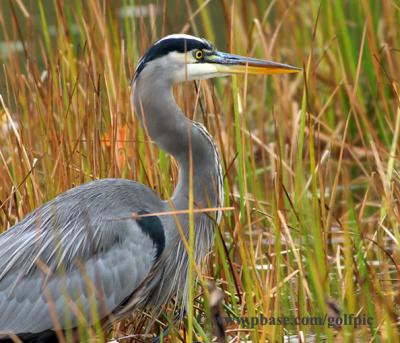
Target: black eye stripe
{"points": [[165, 46]]}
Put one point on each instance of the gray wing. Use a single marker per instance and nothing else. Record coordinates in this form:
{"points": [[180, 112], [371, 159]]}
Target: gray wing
{"points": [[80, 251]]}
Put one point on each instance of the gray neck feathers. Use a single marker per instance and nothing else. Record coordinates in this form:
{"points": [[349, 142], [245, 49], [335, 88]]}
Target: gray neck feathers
{"points": [[173, 132]]}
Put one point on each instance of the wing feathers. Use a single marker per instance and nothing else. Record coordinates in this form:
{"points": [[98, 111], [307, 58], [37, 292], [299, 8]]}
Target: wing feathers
{"points": [[77, 252]]}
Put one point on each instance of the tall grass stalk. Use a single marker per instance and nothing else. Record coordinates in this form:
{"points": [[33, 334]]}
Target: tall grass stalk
{"points": [[311, 161]]}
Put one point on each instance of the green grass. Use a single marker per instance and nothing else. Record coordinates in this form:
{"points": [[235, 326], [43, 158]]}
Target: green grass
{"points": [[311, 160]]}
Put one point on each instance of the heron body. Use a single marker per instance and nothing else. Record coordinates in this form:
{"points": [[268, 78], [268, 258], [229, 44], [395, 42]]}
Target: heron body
{"points": [[99, 245]]}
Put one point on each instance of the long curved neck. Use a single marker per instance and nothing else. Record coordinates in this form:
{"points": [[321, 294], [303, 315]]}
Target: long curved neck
{"points": [[166, 124]]}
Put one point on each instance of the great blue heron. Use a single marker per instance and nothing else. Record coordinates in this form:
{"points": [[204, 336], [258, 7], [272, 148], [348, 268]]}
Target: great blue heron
{"points": [[85, 250]]}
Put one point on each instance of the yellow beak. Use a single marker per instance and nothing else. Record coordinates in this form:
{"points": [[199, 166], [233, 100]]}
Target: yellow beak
{"points": [[235, 64]]}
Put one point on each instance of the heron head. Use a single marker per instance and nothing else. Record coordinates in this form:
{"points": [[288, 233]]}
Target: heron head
{"points": [[181, 57]]}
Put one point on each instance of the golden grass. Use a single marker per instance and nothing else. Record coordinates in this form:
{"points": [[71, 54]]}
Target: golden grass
{"points": [[311, 161]]}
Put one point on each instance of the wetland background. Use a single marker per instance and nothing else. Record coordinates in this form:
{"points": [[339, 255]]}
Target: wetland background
{"points": [[311, 161]]}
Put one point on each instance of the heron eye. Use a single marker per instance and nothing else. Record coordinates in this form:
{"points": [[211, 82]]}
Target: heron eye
{"points": [[199, 54]]}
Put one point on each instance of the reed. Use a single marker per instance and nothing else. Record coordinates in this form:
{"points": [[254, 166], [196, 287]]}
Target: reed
{"points": [[311, 161]]}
